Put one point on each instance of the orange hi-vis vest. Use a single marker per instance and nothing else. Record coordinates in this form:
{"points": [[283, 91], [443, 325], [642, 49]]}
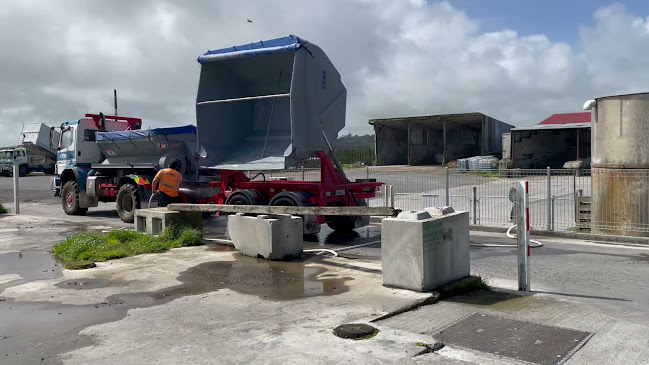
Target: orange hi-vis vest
{"points": [[170, 181]]}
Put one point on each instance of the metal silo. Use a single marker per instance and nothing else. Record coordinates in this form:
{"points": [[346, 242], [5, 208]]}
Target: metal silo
{"points": [[620, 164]]}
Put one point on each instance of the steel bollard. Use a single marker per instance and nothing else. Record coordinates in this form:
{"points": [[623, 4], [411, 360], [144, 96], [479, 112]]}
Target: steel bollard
{"points": [[523, 235], [16, 189]]}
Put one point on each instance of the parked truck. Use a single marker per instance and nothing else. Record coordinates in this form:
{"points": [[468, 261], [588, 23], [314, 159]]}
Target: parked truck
{"points": [[33, 154], [260, 106], [26, 160]]}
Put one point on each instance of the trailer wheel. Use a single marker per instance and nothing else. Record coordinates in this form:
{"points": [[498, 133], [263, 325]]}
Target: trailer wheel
{"points": [[247, 197], [70, 199], [128, 200], [22, 171], [342, 223]]}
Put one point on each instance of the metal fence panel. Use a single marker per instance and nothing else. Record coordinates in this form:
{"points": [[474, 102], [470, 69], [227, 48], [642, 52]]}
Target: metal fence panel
{"points": [[554, 194]]}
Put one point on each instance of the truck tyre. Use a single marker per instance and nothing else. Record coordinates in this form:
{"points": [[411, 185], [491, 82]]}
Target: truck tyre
{"points": [[70, 199], [341, 223], [22, 171], [128, 200]]}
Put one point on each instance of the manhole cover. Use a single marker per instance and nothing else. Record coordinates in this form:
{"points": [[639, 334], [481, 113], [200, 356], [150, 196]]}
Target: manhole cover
{"points": [[518, 340], [356, 331]]}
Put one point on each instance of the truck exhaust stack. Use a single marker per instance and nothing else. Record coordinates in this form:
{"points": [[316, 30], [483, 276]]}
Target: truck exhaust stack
{"points": [[265, 105]]}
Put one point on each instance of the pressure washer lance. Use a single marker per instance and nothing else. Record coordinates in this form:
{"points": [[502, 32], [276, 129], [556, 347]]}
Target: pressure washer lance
{"points": [[151, 198]]}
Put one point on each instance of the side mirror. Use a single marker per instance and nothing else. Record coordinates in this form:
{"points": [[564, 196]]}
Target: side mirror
{"points": [[52, 140]]}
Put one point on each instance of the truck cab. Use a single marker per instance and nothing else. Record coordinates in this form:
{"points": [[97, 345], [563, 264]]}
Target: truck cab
{"points": [[76, 144], [77, 151]]}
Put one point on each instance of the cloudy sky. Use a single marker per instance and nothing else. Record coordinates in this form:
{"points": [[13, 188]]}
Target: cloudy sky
{"points": [[517, 61]]}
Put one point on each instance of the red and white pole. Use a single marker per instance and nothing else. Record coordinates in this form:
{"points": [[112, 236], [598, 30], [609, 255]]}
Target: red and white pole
{"points": [[523, 235]]}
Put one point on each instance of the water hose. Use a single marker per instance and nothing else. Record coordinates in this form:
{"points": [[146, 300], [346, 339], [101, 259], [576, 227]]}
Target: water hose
{"points": [[151, 198], [533, 243]]}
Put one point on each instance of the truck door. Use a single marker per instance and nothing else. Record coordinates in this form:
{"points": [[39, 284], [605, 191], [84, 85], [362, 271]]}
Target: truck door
{"points": [[88, 152], [67, 150]]}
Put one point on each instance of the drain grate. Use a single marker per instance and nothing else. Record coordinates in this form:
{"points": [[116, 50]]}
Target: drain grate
{"points": [[519, 340]]}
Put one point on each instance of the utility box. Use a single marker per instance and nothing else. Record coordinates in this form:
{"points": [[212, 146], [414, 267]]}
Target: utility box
{"points": [[421, 251]]}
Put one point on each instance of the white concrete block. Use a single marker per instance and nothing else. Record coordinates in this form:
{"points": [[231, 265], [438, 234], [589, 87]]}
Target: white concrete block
{"points": [[420, 253], [273, 237], [156, 220], [437, 211]]}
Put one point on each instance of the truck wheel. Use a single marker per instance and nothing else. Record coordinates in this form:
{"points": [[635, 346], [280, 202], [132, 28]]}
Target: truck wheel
{"points": [[22, 171], [340, 223], [128, 200], [70, 199]]}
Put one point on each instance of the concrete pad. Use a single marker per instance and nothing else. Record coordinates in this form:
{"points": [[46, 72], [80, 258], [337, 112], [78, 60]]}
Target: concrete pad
{"points": [[156, 220], [618, 338], [273, 237], [226, 317]]}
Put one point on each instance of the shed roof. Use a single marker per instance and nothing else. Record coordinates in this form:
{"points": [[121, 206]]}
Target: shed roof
{"points": [[466, 119], [567, 118], [553, 126]]}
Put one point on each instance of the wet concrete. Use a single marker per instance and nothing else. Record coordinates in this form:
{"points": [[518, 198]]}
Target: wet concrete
{"points": [[22, 267], [83, 284], [38, 331]]}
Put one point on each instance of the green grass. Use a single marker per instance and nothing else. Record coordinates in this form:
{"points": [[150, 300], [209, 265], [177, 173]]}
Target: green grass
{"points": [[486, 173], [3, 210], [81, 250]]}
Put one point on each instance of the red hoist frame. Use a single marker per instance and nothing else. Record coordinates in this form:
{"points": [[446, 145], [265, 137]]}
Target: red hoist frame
{"points": [[333, 189]]}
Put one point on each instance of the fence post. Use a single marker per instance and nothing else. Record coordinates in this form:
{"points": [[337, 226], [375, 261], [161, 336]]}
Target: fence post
{"points": [[448, 196], [385, 195], [367, 172], [548, 199], [16, 189], [522, 235], [392, 196], [475, 205], [303, 178], [553, 201]]}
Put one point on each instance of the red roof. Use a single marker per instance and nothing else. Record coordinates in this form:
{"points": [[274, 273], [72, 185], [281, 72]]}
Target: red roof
{"points": [[568, 118]]}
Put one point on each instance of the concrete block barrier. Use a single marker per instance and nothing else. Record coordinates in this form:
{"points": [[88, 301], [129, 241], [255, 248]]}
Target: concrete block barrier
{"points": [[273, 237], [156, 220], [421, 251]]}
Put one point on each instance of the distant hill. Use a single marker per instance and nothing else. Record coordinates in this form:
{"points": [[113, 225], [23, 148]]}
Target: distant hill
{"points": [[353, 142]]}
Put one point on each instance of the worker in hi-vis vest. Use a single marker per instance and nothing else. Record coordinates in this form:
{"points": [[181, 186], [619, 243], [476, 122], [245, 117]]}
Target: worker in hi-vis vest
{"points": [[167, 183]]}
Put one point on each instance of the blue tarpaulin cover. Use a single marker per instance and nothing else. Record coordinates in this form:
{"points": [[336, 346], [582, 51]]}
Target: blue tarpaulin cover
{"points": [[284, 44], [145, 133]]}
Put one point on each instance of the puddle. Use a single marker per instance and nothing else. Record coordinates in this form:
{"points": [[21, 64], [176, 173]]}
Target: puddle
{"points": [[29, 265], [220, 247], [272, 280], [83, 284], [39, 330]]}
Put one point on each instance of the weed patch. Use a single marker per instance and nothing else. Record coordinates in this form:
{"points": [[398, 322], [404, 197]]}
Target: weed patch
{"points": [[82, 249]]}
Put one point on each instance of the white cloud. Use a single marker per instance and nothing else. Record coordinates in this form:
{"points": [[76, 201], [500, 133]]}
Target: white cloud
{"points": [[62, 59]]}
